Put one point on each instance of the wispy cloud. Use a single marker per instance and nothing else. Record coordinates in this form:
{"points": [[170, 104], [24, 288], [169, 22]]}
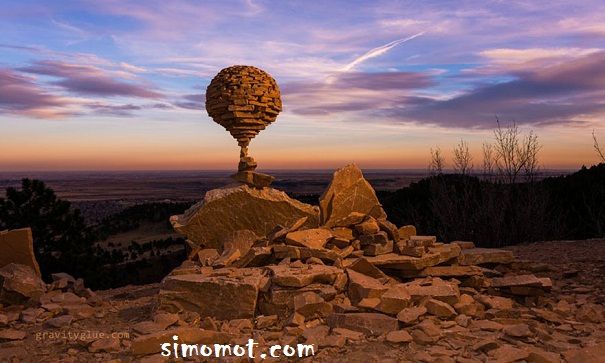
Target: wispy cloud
{"points": [[21, 95], [89, 80], [378, 51]]}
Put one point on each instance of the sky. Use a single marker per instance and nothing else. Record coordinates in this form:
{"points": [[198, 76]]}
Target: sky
{"points": [[119, 84]]}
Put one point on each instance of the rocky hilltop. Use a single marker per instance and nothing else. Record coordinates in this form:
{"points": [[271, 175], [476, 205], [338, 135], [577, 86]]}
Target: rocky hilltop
{"points": [[338, 276]]}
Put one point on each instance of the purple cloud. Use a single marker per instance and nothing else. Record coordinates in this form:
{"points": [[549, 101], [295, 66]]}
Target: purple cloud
{"points": [[20, 95], [192, 102], [556, 94], [560, 93], [84, 79], [102, 109]]}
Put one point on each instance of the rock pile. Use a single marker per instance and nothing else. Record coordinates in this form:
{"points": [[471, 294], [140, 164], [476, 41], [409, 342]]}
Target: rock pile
{"points": [[340, 277], [355, 274]]}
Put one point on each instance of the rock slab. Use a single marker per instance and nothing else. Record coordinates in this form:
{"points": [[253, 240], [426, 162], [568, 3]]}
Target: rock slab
{"points": [[17, 246], [226, 210], [349, 192]]}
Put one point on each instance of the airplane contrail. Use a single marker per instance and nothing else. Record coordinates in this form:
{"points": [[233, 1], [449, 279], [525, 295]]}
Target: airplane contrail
{"points": [[377, 51]]}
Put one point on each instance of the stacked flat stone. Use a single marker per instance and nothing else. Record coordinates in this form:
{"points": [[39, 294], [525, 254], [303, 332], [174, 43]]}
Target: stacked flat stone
{"points": [[244, 100]]}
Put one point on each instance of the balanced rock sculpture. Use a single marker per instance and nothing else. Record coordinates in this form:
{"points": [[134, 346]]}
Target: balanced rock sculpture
{"points": [[244, 100]]}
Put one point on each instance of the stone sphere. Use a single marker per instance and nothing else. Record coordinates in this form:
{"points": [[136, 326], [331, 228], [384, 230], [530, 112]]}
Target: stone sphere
{"points": [[244, 100]]}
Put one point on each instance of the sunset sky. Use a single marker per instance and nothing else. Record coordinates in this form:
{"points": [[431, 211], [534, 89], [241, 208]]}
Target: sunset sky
{"points": [[119, 84]]}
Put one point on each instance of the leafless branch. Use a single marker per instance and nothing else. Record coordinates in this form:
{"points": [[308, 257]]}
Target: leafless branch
{"points": [[437, 162], [463, 160], [597, 147]]}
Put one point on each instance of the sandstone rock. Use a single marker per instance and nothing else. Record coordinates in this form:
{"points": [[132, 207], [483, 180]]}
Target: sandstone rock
{"points": [[311, 238], [348, 192], [367, 323], [79, 311], [486, 325], [316, 333], [343, 233], [280, 300], [465, 245], [11, 334], [593, 354], [390, 229], [411, 315], [350, 220], [367, 227], [351, 335], [439, 308], [60, 321], [311, 305], [395, 299], [486, 345], [436, 289], [19, 283], [364, 267], [362, 286], [421, 241], [509, 354], [537, 355], [105, 345], [462, 320], [376, 249], [253, 179], [264, 322], [479, 256], [406, 263], [517, 331], [240, 241], [422, 338], [398, 337], [288, 276], [452, 271], [468, 306], [592, 313], [17, 246], [255, 257], [241, 207], [496, 302], [403, 249], [516, 280], [406, 232], [221, 297], [447, 252]]}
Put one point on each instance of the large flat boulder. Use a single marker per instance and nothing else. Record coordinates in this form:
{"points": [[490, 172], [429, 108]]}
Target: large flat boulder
{"points": [[289, 276], [221, 296], [406, 263], [367, 323], [17, 246], [348, 192], [226, 210]]}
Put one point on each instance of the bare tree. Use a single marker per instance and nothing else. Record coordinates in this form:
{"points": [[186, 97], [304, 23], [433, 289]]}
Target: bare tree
{"points": [[515, 154], [463, 160], [597, 147], [488, 159], [437, 162]]}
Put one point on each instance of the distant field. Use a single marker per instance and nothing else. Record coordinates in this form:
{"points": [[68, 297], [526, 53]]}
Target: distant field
{"points": [[99, 194], [186, 185]]}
